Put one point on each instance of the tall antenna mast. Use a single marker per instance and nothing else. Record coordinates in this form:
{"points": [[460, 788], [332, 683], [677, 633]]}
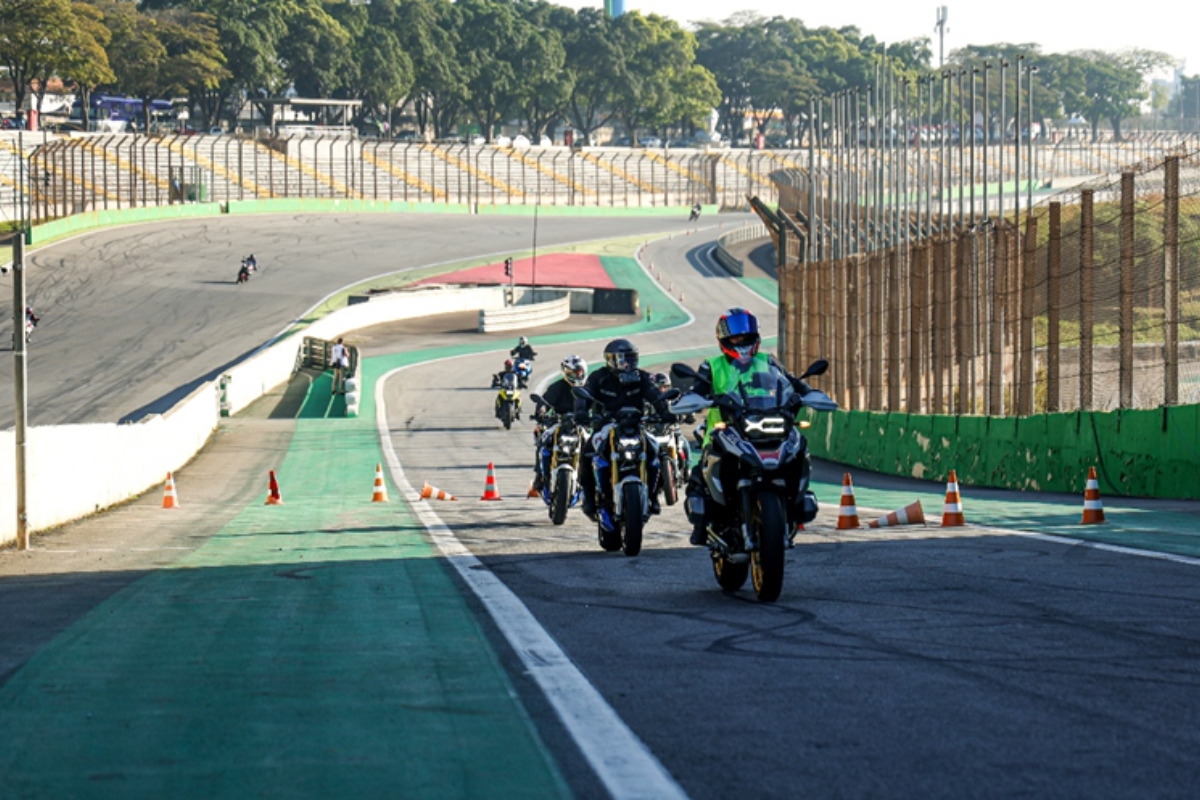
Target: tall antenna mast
{"points": [[943, 14]]}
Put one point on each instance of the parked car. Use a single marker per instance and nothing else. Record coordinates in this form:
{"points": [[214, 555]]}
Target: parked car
{"points": [[216, 130], [407, 136], [476, 139], [650, 141], [520, 140], [502, 141]]}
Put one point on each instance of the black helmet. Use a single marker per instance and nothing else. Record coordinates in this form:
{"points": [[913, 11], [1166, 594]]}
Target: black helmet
{"points": [[661, 380], [737, 333], [621, 355]]}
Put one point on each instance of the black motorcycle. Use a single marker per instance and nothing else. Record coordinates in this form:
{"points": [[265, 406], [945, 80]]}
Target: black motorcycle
{"points": [[620, 461], [757, 472]]}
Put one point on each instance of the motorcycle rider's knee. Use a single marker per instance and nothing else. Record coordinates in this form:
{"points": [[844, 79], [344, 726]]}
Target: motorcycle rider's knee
{"points": [[693, 506]]}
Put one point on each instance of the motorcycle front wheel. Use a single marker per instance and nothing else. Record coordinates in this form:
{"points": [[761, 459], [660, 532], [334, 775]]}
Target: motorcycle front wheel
{"points": [[766, 563], [730, 576], [670, 481], [506, 415], [560, 501], [631, 507]]}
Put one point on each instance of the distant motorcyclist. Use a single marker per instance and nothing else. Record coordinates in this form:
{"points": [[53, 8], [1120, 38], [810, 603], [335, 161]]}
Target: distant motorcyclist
{"points": [[31, 321], [497, 376], [243, 273], [695, 215], [507, 381], [559, 402], [523, 350], [251, 263], [618, 384], [739, 362]]}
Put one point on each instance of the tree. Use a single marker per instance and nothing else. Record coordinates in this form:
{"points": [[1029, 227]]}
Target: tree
{"points": [[490, 34], [315, 53], [429, 34], [35, 36], [731, 51], [86, 62], [655, 51], [593, 62], [162, 53], [545, 86]]}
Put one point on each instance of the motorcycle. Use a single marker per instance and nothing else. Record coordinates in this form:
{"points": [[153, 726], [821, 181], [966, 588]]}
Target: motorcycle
{"points": [[674, 457], [695, 215], [559, 465], [621, 461], [243, 274], [524, 368], [30, 324], [757, 471], [508, 400]]}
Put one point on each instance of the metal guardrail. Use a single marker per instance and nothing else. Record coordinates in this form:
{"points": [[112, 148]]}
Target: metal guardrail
{"points": [[731, 263]]}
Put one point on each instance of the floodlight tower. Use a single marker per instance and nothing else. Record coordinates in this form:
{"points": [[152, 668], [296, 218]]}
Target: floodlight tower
{"points": [[943, 15]]}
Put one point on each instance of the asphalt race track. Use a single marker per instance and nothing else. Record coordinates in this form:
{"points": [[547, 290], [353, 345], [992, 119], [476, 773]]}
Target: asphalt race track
{"points": [[907, 663]]}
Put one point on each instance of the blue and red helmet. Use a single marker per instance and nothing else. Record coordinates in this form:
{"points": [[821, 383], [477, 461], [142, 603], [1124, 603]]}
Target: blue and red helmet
{"points": [[737, 333]]}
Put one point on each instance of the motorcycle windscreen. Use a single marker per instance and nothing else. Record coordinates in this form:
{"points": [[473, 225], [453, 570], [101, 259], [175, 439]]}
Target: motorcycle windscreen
{"points": [[764, 391]]}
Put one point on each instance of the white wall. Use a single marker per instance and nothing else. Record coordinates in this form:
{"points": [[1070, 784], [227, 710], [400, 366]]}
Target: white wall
{"points": [[76, 470]]}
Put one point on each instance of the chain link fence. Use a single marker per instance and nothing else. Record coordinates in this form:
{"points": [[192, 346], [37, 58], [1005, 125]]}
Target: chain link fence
{"points": [[1091, 300]]}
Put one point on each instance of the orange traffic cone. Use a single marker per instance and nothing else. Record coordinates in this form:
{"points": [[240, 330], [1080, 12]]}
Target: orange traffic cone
{"points": [[380, 495], [489, 489], [169, 498], [433, 493], [952, 512], [273, 496], [1093, 509], [533, 492], [848, 513], [911, 514]]}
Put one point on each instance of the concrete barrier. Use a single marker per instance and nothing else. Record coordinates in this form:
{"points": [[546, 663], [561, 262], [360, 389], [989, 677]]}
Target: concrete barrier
{"points": [[748, 233], [124, 461], [531, 315]]}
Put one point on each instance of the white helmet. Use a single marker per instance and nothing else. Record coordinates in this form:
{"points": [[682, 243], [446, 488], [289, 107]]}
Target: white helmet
{"points": [[522, 341], [574, 370]]}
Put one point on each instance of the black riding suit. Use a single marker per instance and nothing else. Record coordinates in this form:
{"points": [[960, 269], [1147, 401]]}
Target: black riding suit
{"points": [[524, 351], [613, 391]]}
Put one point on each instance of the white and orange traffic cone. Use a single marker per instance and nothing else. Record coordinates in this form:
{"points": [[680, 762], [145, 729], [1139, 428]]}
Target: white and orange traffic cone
{"points": [[433, 493], [952, 512], [170, 500], [1093, 509], [273, 496], [911, 514], [848, 512], [490, 492], [380, 494]]}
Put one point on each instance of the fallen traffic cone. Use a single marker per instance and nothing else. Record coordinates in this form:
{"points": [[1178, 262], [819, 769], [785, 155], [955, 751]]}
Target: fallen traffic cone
{"points": [[952, 513], [489, 489], [848, 513], [433, 493], [273, 496], [911, 514], [1093, 509], [169, 498], [380, 495]]}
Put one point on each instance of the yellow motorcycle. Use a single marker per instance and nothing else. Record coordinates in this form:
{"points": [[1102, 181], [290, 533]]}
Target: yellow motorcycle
{"points": [[508, 400]]}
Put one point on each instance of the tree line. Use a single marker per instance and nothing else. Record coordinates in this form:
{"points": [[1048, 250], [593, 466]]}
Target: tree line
{"points": [[492, 61]]}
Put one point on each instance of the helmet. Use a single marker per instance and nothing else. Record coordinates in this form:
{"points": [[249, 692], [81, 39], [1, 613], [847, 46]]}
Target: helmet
{"points": [[508, 365], [661, 380], [522, 341], [574, 370], [737, 333], [621, 355]]}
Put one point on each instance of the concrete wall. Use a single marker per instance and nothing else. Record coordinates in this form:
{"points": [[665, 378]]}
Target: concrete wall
{"points": [[1137, 453], [530, 315], [76, 470]]}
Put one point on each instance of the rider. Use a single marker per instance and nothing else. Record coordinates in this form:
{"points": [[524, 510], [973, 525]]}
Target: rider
{"points": [[30, 317], [507, 379], [619, 384], [251, 263], [696, 209], [523, 350], [559, 402], [740, 360], [243, 273]]}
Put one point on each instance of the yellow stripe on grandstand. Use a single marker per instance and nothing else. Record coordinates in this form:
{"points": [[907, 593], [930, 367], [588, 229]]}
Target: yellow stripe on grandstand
{"points": [[320, 177], [536, 163], [465, 166], [615, 170], [120, 163], [403, 175], [751, 175], [671, 165], [215, 168]]}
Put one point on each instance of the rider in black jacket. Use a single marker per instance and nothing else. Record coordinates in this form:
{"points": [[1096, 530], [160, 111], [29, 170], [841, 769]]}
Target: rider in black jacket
{"points": [[619, 384], [558, 402], [523, 350]]}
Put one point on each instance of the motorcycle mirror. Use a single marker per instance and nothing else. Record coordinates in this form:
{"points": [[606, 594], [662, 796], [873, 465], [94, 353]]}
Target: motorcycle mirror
{"points": [[583, 394], [818, 367], [683, 371], [671, 394], [537, 398]]}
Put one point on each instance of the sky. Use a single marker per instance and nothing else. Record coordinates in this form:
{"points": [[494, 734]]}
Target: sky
{"points": [[1059, 26]]}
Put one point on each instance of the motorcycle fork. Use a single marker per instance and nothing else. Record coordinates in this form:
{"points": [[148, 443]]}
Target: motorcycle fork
{"points": [[747, 496]]}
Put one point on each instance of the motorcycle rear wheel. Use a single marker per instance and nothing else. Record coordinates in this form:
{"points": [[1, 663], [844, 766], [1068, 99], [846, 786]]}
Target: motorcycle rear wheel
{"points": [[610, 541], [560, 501], [631, 496], [766, 563], [669, 480]]}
